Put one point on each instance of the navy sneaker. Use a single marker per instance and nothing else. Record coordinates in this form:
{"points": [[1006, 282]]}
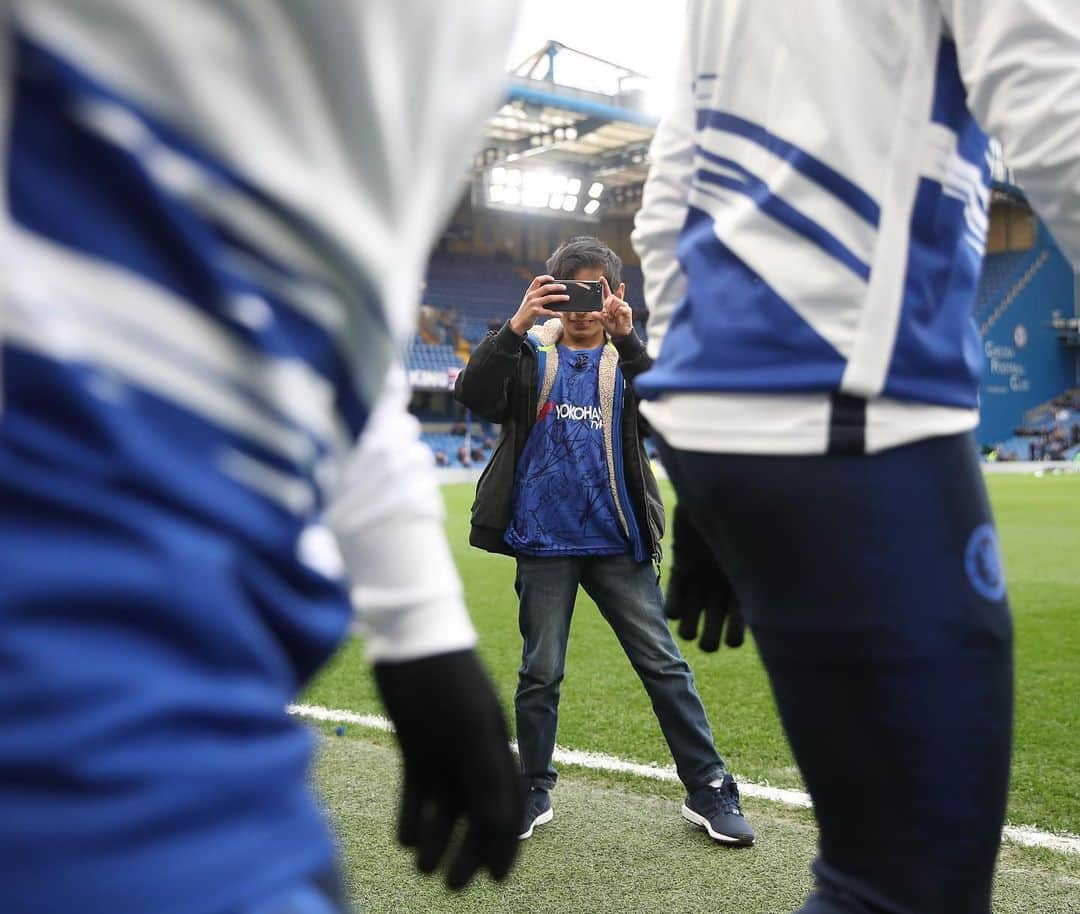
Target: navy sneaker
{"points": [[717, 810], [538, 811]]}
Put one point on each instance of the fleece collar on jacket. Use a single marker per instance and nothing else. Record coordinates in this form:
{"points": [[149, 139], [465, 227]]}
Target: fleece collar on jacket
{"points": [[545, 338]]}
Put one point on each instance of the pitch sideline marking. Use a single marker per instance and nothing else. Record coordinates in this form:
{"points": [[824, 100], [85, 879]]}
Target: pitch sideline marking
{"points": [[1025, 835]]}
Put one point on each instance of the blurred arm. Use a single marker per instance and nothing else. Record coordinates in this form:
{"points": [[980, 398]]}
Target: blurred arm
{"points": [[387, 514], [1020, 62]]}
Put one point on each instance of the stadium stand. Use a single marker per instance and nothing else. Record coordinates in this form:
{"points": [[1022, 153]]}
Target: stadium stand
{"points": [[422, 356], [484, 291], [481, 289], [1052, 432], [1001, 272], [455, 451]]}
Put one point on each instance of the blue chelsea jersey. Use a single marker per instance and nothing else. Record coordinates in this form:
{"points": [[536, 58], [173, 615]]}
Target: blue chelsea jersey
{"points": [[563, 502]]}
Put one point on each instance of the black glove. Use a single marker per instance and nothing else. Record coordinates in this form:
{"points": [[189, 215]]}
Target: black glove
{"points": [[458, 764], [698, 584]]}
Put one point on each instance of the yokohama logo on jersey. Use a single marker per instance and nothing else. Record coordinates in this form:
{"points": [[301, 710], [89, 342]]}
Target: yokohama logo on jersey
{"points": [[567, 411]]}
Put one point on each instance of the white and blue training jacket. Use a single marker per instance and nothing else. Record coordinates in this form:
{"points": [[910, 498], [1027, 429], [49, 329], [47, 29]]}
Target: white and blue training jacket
{"points": [[216, 217], [815, 219]]}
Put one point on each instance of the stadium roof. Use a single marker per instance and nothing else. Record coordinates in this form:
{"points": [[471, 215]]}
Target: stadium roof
{"points": [[599, 136]]}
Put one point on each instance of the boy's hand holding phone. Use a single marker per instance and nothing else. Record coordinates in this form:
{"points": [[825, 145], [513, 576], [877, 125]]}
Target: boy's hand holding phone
{"points": [[542, 292]]}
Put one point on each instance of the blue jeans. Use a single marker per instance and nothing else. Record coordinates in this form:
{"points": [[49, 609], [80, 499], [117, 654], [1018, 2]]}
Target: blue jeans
{"points": [[629, 598], [877, 602]]}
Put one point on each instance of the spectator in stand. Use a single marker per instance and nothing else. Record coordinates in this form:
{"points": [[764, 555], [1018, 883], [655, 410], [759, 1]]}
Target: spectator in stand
{"points": [[428, 326], [448, 326], [462, 349]]}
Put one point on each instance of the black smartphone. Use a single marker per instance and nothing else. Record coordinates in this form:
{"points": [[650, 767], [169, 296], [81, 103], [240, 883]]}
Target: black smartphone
{"points": [[585, 295]]}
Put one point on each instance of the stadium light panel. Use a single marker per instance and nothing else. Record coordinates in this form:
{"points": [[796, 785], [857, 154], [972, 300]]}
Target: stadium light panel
{"points": [[571, 133], [543, 190], [596, 190], [536, 180], [534, 197]]}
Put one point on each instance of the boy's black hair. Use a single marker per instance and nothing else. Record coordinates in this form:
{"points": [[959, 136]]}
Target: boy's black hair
{"points": [[585, 251]]}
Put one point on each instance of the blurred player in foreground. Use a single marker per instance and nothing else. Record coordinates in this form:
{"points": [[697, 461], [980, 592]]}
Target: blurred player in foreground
{"points": [[812, 234], [217, 218]]}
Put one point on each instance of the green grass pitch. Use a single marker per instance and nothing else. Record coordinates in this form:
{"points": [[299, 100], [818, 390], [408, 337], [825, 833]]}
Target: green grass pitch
{"points": [[605, 709]]}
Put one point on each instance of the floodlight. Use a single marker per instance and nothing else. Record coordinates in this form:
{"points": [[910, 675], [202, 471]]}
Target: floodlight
{"points": [[534, 197], [556, 201], [591, 207], [496, 193], [513, 196], [569, 204], [596, 189], [498, 175], [558, 184], [513, 177], [573, 186], [536, 180]]}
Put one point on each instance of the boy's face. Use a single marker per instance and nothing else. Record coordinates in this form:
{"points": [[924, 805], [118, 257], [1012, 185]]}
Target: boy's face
{"points": [[582, 328]]}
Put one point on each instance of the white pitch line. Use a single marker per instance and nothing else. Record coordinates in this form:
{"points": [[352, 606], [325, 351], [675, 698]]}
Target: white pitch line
{"points": [[1025, 835], [316, 712]]}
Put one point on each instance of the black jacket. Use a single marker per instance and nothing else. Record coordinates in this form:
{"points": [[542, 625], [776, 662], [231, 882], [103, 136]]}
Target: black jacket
{"points": [[500, 384]]}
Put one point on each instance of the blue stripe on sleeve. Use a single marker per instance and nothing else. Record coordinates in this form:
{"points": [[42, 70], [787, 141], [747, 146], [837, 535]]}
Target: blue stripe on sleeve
{"points": [[71, 185], [758, 191], [811, 167]]}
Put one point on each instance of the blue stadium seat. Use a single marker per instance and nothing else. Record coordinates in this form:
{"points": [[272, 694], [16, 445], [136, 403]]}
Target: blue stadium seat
{"points": [[1000, 273]]}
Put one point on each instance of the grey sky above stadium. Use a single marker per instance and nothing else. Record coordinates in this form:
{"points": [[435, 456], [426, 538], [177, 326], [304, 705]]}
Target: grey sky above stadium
{"points": [[639, 34]]}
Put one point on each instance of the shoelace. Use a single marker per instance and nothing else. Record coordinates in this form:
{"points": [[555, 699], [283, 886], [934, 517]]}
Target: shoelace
{"points": [[726, 797]]}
